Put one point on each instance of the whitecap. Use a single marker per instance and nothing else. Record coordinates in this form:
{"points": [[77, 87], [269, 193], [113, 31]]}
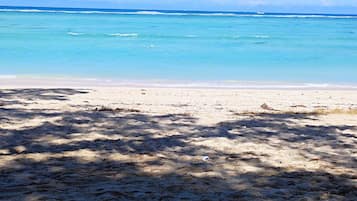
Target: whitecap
{"points": [[261, 36], [308, 16], [148, 13], [217, 14], [74, 33], [124, 34], [258, 14], [30, 11]]}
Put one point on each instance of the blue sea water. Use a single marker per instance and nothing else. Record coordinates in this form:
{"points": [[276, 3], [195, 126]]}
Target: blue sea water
{"points": [[178, 45]]}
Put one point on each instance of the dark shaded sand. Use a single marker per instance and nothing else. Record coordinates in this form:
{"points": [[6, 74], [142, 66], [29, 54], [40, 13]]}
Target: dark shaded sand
{"points": [[54, 148]]}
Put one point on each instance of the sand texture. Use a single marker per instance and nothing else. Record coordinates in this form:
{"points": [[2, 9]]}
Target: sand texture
{"points": [[177, 144]]}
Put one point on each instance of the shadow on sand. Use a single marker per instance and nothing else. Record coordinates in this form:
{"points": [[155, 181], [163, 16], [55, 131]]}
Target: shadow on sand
{"points": [[110, 155]]}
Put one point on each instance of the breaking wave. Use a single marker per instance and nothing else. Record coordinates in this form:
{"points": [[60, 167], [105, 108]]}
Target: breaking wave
{"points": [[178, 13], [75, 33], [124, 34]]}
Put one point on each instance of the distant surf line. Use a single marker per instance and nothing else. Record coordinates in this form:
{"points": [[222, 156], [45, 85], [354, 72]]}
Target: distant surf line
{"points": [[172, 13]]}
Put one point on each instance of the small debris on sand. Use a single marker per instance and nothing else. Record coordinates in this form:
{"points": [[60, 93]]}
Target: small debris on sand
{"points": [[108, 109], [266, 107], [20, 149], [205, 158], [298, 106]]}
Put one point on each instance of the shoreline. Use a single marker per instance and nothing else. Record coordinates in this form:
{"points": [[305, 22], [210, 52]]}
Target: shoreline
{"points": [[14, 81]]}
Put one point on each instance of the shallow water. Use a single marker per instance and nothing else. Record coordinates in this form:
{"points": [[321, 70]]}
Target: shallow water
{"points": [[205, 46]]}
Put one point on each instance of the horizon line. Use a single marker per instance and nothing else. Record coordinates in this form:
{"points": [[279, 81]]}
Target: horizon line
{"points": [[187, 10]]}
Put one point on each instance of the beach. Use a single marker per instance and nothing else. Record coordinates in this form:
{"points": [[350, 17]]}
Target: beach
{"points": [[151, 143], [116, 103]]}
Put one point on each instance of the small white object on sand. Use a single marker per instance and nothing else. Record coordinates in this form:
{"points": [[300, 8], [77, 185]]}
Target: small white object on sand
{"points": [[205, 158]]}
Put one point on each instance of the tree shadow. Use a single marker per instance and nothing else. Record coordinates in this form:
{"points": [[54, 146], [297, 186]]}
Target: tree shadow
{"points": [[121, 155], [12, 96]]}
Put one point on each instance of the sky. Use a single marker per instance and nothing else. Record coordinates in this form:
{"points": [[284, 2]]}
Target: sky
{"points": [[300, 6]]}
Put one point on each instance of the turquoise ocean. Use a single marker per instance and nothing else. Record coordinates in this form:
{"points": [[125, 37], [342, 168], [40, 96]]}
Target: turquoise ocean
{"points": [[178, 45]]}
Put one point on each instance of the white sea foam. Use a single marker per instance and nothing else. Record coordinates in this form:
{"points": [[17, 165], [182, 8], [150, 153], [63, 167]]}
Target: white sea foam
{"points": [[30, 10], [154, 13], [249, 85], [314, 85], [75, 33], [261, 36], [311, 16], [124, 34], [223, 14], [148, 13], [216, 14], [228, 84]]}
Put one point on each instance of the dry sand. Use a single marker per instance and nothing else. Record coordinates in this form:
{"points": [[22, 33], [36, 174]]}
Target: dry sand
{"points": [[177, 144]]}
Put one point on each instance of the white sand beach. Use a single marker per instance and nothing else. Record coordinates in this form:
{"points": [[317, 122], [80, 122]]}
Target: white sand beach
{"points": [[157, 100], [130, 143]]}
